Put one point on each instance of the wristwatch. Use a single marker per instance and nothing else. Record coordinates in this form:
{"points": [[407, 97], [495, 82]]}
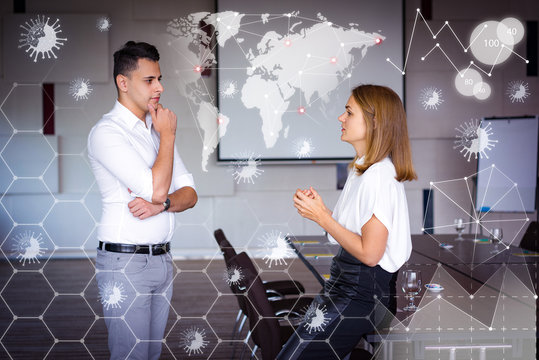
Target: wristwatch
{"points": [[166, 204]]}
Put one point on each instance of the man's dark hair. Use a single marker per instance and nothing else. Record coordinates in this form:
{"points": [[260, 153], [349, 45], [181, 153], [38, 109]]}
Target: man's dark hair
{"points": [[125, 59]]}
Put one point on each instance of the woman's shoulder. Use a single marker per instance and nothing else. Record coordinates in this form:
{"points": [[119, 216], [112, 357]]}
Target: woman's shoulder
{"points": [[382, 171]]}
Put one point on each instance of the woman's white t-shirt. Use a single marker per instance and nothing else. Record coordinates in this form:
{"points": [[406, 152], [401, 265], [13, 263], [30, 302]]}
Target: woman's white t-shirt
{"points": [[377, 192]]}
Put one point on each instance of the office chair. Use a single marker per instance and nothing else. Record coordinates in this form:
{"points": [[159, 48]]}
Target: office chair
{"points": [[275, 289]]}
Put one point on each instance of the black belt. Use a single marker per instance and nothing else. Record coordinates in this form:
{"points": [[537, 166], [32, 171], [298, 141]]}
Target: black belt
{"points": [[158, 249]]}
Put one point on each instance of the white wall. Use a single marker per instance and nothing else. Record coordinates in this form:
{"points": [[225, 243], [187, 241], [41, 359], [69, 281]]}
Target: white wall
{"points": [[65, 201]]}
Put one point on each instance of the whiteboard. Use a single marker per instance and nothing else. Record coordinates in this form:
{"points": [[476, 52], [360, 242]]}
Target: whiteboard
{"points": [[287, 75], [512, 160]]}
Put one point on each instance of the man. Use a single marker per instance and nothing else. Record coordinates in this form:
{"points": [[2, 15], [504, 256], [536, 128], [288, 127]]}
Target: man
{"points": [[142, 181]]}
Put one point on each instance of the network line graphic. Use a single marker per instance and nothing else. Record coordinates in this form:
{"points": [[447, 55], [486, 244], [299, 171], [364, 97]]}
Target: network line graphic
{"points": [[456, 196], [507, 33]]}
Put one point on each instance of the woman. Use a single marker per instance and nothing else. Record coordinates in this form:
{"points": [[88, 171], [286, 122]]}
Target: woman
{"points": [[370, 222]]}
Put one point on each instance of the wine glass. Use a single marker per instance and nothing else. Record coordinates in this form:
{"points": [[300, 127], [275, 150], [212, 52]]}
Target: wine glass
{"points": [[411, 285], [496, 236], [459, 226]]}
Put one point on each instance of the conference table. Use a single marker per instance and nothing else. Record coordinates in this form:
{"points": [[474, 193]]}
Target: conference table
{"points": [[483, 301]]}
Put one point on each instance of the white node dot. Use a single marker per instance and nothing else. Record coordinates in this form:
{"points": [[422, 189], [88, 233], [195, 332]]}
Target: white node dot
{"points": [[266, 96], [471, 62], [527, 61], [15, 271], [387, 59], [422, 59], [330, 23], [122, 317], [434, 37], [535, 297], [15, 317], [527, 219], [56, 247], [465, 178], [471, 296], [178, 317], [439, 296], [493, 165], [308, 55], [97, 317], [516, 184], [15, 84], [490, 328], [138, 340], [56, 341], [205, 148], [403, 73], [477, 221], [56, 294], [82, 294], [218, 19], [82, 341], [417, 10], [407, 329], [40, 271], [349, 76], [204, 317], [431, 183], [15, 131], [342, 44], [465, 50], [489, 74], [447, 22], [486, 26], [275, 111], [228, 27], [300, 72], [40, 317]]}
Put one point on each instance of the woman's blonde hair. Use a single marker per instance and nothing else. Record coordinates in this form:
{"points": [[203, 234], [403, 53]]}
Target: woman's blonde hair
{"points": [[387, 132]]}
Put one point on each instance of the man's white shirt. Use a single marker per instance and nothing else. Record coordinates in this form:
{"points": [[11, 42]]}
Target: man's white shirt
{"points": [[122, 152]]}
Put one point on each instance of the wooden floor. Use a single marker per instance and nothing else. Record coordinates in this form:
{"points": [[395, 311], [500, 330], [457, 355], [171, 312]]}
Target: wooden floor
{"points": [[32, 317]]}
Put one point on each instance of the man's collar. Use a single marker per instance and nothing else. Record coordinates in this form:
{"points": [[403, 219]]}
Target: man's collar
{"points": [[128, 117]]}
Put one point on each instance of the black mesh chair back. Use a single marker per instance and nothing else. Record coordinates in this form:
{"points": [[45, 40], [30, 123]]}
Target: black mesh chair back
{"points": [[530, 240], [265, 329], [226, 247]]}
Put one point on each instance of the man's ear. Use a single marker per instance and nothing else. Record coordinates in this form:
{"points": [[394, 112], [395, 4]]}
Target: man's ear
{"points": [[121, 82]]}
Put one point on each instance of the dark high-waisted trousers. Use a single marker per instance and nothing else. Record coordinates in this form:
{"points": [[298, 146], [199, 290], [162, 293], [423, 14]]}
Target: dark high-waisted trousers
{"points": [[347, 309]]}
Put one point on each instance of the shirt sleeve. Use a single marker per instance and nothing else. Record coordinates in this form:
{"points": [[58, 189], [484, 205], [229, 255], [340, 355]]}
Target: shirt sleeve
{"points": [[375, 198], [180, 176], [110, 147]]}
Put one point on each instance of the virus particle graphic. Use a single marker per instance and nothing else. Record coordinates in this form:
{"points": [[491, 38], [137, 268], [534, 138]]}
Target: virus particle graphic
{"points": [[112, 294], [518, 91], [233, 275], [103, 24], [80, 89], [192, 341], [228, 89], [474, 139], [41, 38], [315, 318], [431, 98], [28, 247], [276, 248], [246, 170], [303, 148]]}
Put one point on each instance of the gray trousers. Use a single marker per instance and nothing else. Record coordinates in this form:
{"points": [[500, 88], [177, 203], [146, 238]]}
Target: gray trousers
{"points": [[135, 290]]}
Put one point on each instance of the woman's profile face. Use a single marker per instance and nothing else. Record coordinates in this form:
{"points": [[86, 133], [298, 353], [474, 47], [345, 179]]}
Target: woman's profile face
{"points": [[353, 125]]}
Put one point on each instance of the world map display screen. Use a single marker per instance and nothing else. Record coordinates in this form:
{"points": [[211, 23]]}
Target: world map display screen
{"points": [[285, 75]]}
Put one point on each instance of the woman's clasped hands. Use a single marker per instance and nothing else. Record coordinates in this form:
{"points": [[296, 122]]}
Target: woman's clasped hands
{"points": [[310, 205]]}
